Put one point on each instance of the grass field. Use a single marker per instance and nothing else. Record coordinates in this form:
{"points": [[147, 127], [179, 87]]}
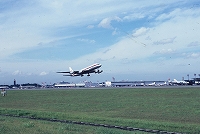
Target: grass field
{"points": [[10, 125], [169, 109]]}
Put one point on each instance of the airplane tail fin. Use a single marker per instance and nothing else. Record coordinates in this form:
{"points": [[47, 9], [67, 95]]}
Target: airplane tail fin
{"points": [[71, 70]]}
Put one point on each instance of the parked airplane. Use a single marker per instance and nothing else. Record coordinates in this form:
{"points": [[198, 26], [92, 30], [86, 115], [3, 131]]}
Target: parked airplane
{"points": [[4, 87], [90, 69], [178, 82], [152, 84], [162, 84]]}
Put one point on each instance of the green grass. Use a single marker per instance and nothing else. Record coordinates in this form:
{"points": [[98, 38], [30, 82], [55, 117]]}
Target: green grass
{"points": [[173, 109], [10, 125]]}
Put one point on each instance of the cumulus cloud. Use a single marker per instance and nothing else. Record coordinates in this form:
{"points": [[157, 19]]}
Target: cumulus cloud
{"points": [[43, 73], [193, 55], [140, 31], [106, 23]]}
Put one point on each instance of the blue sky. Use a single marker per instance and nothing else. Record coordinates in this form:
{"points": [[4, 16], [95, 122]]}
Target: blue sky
{"points": [[133, 40]]}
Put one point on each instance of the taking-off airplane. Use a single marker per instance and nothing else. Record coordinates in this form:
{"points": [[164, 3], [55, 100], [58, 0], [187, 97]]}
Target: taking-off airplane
{"points": [[94, 68]]}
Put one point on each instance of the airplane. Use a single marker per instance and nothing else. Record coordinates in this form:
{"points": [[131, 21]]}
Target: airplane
{"points": [[4, 87], [90, 69], [178, 82], [162, 84], [152, 84]]}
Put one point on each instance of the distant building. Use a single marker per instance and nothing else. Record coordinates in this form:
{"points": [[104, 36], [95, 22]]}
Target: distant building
{"points": [[29, 86], [132, 83], [67, 84]]}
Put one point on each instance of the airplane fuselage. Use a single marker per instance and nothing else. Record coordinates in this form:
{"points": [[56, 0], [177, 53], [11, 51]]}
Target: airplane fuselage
{"points": [[90, 68]]}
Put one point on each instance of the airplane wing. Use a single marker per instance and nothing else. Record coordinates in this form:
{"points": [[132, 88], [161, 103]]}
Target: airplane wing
{"points": [[75, 72], [63, 72], [72, 75], [67, 75]]}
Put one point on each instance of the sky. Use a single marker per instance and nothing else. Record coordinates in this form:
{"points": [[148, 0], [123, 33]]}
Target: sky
{"points": [[133, 40]]}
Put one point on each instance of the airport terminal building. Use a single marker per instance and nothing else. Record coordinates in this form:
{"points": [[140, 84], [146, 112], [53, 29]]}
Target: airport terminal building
{"points": [[132, 83]]}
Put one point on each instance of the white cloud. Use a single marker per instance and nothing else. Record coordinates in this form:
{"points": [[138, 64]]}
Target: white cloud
{"points": [[140, 31], [29, 74], [193, 55], [165, 41], [165, 51], [169, 15], [17, 72], [134, 16], [43, 73], [87, 40], [90, 26], [194, 44], [106, 23], [115, 32]]}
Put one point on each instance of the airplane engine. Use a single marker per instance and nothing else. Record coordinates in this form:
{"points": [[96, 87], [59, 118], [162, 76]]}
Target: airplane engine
{"points": [[99, 71]]}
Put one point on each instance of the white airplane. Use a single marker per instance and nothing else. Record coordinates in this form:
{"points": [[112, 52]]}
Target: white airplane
{"points": [[4, 87], [90, 69], [179, 82], [152, 84], [162, 84]]}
